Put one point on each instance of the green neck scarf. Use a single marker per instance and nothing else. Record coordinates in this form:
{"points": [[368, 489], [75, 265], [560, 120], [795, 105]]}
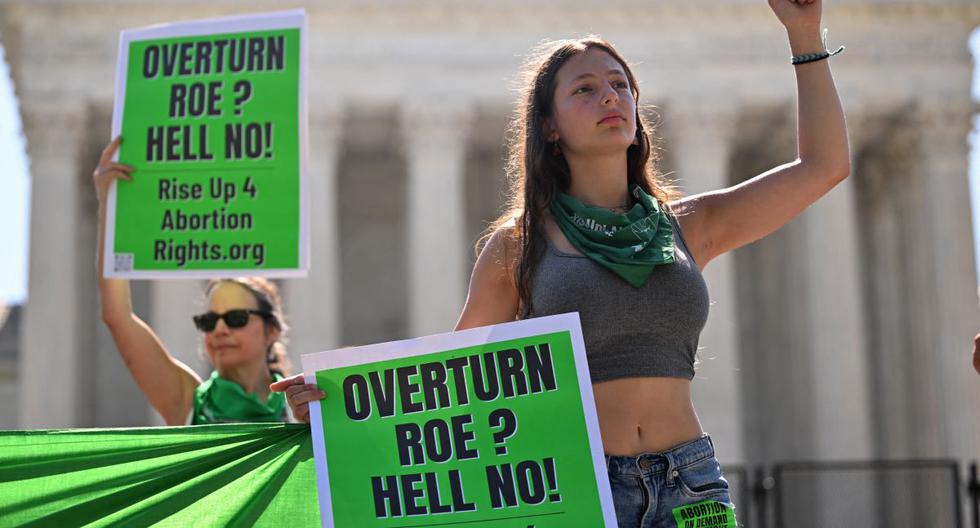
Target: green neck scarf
{"points": [[630, 244], [218, 400]]}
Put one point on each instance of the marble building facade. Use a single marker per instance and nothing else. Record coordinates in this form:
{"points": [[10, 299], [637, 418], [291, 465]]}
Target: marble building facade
{"points": [[845, 335]]}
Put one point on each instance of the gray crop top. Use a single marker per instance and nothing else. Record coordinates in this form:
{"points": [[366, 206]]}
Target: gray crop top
{"points": [[651, 331]]}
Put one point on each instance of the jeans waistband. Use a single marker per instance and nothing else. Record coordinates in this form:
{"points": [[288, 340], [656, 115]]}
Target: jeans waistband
{"points": [[676, 457]]}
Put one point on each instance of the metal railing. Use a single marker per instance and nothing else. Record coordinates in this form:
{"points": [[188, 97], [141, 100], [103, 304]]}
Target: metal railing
{"points": [[885, 493]]}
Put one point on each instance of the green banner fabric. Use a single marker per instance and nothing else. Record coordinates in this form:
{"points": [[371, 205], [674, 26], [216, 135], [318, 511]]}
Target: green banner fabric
{"points": [[484, 428], [208, 475], [212, 116]]}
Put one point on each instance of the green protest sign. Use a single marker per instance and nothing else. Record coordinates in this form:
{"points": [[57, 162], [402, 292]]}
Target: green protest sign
{"points": [[705, 514], [487, 427], [213, 117]]}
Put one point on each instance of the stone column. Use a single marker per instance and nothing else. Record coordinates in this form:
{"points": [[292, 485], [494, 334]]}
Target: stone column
{"points": [[313, 303], [53, 362], [700, 139], [945, 154], [838, 364], [435, 134], [840, 393]]}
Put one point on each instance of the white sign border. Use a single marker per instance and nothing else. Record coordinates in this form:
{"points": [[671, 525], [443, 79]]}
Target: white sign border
{"points": [[345, 357], [290, 19]]}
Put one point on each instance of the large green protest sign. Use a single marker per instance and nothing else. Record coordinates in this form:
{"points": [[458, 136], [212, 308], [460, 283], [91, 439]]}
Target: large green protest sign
{"points": [[490, 427], [212, 115]]}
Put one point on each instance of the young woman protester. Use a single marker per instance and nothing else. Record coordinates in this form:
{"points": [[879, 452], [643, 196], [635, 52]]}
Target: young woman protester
{"points": [[243, 330], [594, 230]]}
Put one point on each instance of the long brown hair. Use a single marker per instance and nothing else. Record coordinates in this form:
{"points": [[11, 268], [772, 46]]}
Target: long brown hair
{"points": [[537, 173], [266, 293]]}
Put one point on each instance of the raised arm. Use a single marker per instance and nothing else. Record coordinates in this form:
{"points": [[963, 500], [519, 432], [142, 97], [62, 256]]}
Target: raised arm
{"points": [[723, 220], [167, 383]]}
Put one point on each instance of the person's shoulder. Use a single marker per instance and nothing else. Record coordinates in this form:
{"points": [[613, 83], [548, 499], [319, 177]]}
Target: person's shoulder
{"points": [[502, 248], [680, 206], [683, 212], [505, 238]]}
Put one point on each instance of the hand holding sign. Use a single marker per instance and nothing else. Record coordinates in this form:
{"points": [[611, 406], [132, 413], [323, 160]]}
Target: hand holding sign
{"points": [[299, 394], [460, 425], [103, 176], [109, 171]]}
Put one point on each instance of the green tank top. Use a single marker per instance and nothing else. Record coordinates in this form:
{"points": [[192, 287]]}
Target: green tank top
{"points": [[218, 400]]}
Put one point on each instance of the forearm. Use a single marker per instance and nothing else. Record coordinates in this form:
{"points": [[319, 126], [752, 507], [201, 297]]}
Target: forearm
{"points": [[117, 305], [822, 130], [168, 383]]}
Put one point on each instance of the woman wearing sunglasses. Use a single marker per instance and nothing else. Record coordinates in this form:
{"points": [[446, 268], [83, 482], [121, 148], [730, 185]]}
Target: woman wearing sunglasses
{"points": [[242, 333]]}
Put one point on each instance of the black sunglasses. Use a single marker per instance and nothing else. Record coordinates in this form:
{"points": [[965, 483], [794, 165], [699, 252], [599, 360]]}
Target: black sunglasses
{"points": [[206, 322]]}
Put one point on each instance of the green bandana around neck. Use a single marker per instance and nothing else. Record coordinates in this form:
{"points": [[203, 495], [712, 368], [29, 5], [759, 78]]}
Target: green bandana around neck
{"points": [[218, 400], [629, 244]]}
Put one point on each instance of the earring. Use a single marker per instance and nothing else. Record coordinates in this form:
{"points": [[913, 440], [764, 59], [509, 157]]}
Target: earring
{"points": [[270, 356], [555, 149]]}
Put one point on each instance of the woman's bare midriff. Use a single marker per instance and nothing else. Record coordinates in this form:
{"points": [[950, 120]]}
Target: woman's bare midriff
{"points": [[638, 415], [645, 415]]}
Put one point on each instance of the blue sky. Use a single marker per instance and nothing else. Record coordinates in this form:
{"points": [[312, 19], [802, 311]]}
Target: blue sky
{"points": [[15, 187], [15, 196]]}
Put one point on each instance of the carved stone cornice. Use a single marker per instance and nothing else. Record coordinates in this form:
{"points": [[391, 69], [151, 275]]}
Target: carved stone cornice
{"points": [[326, 119], [946, 119], [914, 43], [436, 122], [691, 118], [53, 129]]}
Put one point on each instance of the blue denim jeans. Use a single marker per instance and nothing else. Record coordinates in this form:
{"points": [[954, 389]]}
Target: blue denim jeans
{"points": [[648, 487]]}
